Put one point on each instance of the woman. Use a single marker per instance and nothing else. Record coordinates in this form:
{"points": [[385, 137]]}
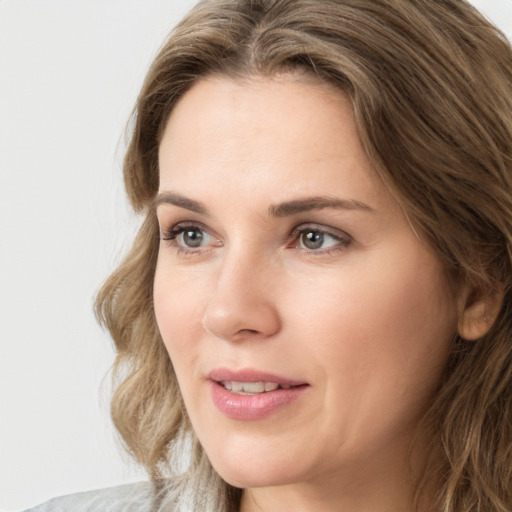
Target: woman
{"points": [[318, 303]]}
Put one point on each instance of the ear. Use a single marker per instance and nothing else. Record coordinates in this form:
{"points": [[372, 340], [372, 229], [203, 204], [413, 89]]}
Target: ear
{"points": [[478, 310]]}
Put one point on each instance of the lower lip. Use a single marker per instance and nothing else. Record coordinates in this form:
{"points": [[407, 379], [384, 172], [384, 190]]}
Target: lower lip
{"points": [[252, 407]]}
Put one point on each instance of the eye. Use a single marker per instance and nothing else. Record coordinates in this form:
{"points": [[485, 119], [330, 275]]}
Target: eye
{"points": [[188, 236], [315, 238], [192, 237]]}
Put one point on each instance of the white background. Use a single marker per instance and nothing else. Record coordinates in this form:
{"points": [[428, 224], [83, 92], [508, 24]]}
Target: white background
{"points": [[70, 71]]}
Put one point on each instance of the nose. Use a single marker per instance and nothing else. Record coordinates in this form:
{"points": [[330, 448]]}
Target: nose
{"points": [[243, 303]]}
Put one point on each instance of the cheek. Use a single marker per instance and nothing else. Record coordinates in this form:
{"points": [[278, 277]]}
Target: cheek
{"points": [[373, 303], [405, 340], [381, 336], [178, 310]]}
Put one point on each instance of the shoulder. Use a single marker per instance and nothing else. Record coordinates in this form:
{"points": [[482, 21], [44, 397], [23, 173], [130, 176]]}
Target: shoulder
{"points": [[124, 498]]}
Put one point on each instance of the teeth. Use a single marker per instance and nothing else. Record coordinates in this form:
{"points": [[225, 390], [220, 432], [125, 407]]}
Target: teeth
{"points": [[251, 388]]}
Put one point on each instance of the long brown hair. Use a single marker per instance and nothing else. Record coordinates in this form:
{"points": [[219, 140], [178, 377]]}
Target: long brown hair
{"points": [[430, 82]]}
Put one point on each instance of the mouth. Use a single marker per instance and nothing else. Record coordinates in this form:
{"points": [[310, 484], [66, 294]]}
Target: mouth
{"points": [[253, 388], [252, 382], [253, 394]]}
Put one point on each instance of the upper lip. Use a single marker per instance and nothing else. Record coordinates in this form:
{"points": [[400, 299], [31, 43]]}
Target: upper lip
{"points": [[251, 375]]}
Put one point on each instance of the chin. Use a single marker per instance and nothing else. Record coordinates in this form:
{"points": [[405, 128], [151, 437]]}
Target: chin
{"points": [[250, 480], [247, 474]]}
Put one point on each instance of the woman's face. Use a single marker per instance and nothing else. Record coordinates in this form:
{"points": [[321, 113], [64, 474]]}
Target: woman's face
{"points": [[307, 323]]}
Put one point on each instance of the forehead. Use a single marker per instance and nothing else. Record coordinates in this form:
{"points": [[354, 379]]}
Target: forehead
{"points": [[275, 136], [263, 105]]}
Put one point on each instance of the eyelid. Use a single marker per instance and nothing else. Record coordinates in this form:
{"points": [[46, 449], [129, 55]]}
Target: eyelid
{"points": [[342, 236], [319, 227], [313, 226], [170, 233]]}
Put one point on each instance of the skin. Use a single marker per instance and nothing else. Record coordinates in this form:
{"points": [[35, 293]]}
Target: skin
{"points": [[366, 319]]}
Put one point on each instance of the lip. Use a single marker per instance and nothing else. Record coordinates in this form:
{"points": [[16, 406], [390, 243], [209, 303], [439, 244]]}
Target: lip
{"points": [[251, 375], [257, 406]]}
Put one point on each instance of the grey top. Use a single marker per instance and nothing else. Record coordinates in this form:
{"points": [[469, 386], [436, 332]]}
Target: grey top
{"points": [[124, 498]]}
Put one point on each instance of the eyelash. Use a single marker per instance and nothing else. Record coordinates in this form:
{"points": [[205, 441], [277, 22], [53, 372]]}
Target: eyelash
{"points": [[175, 231], [343, 239]]}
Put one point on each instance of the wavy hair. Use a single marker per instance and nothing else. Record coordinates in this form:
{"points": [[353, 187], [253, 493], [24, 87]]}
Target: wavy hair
{"points": [[430, 83]]}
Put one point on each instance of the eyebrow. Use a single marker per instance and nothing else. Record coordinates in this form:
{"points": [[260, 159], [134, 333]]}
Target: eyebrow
{"points": [[285, 209], [316, 203], [180, 201]]}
